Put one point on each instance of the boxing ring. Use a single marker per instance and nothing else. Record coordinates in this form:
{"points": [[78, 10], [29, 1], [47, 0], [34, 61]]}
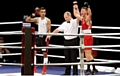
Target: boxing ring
{"points": [[26, 37]]}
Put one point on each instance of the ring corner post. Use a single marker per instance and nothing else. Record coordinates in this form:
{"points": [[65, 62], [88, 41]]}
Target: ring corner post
{"points": [[27, 49]]}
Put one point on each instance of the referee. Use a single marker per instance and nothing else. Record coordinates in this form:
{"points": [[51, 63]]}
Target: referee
{"points": [[69, 26]]}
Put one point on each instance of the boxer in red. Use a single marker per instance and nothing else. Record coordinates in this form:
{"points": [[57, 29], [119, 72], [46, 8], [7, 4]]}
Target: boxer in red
{"points": [[86, 22]]}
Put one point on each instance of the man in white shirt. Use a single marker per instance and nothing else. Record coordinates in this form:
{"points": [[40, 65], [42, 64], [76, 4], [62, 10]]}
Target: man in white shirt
{"points": [[44, 26], [69, 26]]}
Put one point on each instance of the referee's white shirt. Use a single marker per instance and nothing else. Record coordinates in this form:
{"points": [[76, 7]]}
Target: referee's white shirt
{"points": [[69, 28]]}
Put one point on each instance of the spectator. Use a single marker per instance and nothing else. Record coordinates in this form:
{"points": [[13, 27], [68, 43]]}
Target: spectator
{"points": [[3, 50]]}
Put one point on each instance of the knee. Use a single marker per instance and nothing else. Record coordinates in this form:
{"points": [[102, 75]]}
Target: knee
{"points": [[88, 56]]}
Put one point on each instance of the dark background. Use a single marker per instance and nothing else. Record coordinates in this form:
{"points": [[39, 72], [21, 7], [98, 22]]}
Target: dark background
{"points": [[104, 14]]}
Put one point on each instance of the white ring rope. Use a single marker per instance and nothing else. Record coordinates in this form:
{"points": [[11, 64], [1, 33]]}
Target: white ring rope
{"points": [[64, 47], [11, 54], [102, 46], [15, 43], [97, 27], [57, 56], [16, 64], [51, 64], [113, 50], [11, 47], [101, 62], [108, 37], [19, 32], [11, 33], [59, 47], [60, 34], [16, 22]]}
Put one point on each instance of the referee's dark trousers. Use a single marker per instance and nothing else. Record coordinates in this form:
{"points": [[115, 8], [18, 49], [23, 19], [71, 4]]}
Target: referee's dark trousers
{"points": [[71, 55]]}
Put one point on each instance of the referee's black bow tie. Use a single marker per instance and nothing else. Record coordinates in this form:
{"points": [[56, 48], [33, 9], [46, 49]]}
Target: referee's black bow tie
{"points": [[68, 21]]}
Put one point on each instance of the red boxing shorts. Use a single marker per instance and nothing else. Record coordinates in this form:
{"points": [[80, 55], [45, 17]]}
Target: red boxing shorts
{"points": [[88, 41]]}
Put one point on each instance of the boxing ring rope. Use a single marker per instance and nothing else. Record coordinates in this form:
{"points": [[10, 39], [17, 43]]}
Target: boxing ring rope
{"points": [[69, 63], [56, 64], [60, 34], [93, 48], [11, 47], [100, 35], [78, 63], [63, 47], [97, 27], [16, 22], [56, 56], [56, 46], [11, 54], [11, 33], [108, 37], [13, 43], [48, 55], [69, 46], [16, 64], [60, 46]]}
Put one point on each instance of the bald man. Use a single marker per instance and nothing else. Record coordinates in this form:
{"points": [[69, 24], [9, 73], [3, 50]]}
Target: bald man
{"points": [[69, 26]]}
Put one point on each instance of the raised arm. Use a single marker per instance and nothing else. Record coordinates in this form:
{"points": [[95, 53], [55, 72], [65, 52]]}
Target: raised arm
{"points": [[88, 9], [49, 25], [76, 10], [89, 16], [29, 19], [89, 13]]}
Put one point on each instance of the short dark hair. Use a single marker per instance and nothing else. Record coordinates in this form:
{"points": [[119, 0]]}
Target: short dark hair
{"points": [[42, 8], [84, 8], [37, 9]]}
